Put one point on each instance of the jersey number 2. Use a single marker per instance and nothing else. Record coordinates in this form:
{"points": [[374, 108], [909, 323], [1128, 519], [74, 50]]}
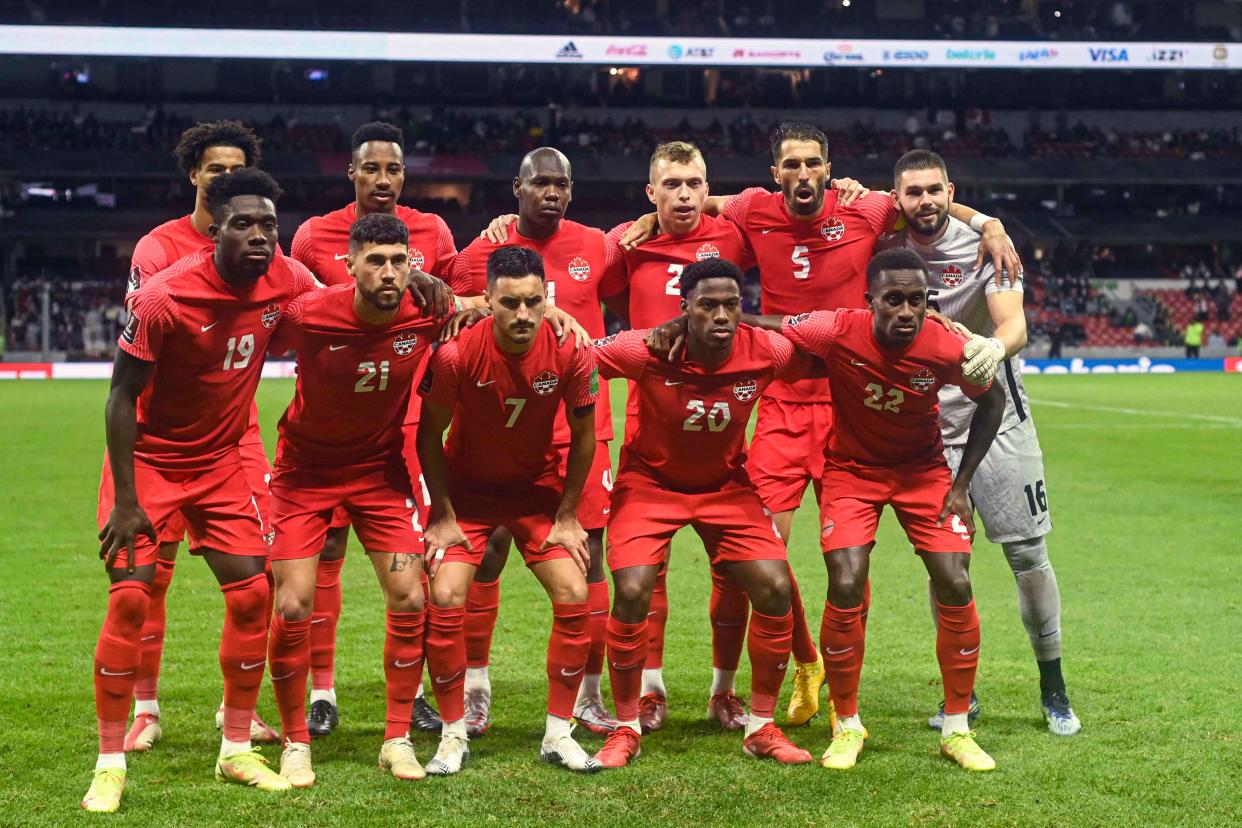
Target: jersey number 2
{"points": [[673, 286]]}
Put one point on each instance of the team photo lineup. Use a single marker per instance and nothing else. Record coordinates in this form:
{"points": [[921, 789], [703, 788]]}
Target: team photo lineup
{"points": [[452, 405]]}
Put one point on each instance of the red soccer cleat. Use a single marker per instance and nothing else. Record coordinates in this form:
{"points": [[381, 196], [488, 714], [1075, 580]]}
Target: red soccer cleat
{"points": [[622, 745], [727, 710], [143, 733], [652, 711], [768, 742]]}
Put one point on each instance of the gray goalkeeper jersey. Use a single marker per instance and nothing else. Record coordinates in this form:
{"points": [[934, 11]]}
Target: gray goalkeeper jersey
{"points": [[962, 296]]}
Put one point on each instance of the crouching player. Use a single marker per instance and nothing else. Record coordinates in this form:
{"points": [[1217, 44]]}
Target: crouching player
{"points": [[885, 368], [684, 466], [358, 347], [502, 384]]}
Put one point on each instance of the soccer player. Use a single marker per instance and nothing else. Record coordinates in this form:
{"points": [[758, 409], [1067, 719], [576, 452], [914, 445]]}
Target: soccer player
{"points": [[684, 465], [205, 151], [359, 349], [322, 243], [186, 370], [1008, 489], [503, 384], [583, 268], [885, 367], [812, 249]]}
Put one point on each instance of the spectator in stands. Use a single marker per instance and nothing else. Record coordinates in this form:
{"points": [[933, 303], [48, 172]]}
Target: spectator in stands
{"points": [[1193, 339]]}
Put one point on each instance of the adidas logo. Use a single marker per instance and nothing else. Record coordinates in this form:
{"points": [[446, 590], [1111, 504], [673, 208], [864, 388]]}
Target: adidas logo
{"points": [[569, 50]]}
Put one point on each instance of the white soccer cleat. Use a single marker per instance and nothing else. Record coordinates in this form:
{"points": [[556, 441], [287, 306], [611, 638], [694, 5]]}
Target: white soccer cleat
{"points": [[451, 755], [295, 764], [567, 753], [1059, 715], [397, 757]]}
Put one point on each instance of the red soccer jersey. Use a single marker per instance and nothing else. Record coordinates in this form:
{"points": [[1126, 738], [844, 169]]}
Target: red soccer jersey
{"points": [[208, 340], [884, 401], [505, 406], [163, 246], [322, 243], [691, 431], [354, 379], [654, 269], [811, 265], [582, 267]]}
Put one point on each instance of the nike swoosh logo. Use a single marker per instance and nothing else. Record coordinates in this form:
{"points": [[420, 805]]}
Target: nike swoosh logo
{"points": [[336, 347], [670, 384], [447, 680], [207, 328], [839, 652], [104, 671], [568, 674], [148, 638], [783, 666], [340, 256], [650, 614], [256, 665], [966, 652], [483, 384], [856, 362], [1045, 635], [318, 620], [401, 665], [599, 612], [285, 676], [767, 230]]}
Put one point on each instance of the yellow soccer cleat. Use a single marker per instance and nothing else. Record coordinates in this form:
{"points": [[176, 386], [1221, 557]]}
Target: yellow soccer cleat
{"points": [[963, 749], [397, 757], [842, 753], [807, 681], [104, 795], [250, 768]]}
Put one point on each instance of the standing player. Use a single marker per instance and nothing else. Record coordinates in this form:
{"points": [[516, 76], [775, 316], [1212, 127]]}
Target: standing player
{"points": [[885, 367], [322, 243], [1008, 489], [503, 384], [359, 350], [583, 268], [684, 465], [812, 248], [205, 151], [187, 367]]}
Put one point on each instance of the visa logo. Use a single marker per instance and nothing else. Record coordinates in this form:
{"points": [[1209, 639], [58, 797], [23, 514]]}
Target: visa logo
{"points": [[1109, 55]]}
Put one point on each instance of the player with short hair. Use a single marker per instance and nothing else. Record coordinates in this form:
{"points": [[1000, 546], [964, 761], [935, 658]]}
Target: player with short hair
{"points": [[583, 268], [359, 349], [186, 370], [1008, 489], [322, 243], [206, 150], [684, 465], [885, 367], [502, 385]]}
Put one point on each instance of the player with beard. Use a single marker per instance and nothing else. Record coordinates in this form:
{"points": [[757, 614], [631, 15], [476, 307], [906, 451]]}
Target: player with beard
{"points": [[377, 171], [812, 249], [1008, 489], [187, 367], [583, 269], [205, 151]]}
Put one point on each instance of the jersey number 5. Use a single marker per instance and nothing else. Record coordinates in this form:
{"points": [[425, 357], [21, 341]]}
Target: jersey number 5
{"points": [[877, 399], [717, 418], [801, 261]]}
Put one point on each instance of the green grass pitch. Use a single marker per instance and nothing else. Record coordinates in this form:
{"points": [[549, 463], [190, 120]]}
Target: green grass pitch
{"points": [[1144, 475]]}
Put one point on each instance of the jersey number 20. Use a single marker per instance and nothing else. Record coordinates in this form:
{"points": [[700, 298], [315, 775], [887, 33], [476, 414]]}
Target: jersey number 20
{"points": [[718, 416]]}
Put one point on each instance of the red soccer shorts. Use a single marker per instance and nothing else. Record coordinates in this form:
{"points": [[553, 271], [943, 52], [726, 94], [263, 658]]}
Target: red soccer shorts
{"points": [[258, 475], [376, 500], [528, 514], [597, 491], [217, 504], [854, 498], [733, 524], [787, 451]]}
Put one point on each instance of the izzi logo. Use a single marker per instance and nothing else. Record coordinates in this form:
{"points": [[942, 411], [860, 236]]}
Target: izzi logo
{"points": [[1163, 55], [1109, 54]]}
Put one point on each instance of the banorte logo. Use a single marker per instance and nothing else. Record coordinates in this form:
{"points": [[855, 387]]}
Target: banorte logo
{"points": [[707, 250], [951, 275], [579, 269]]}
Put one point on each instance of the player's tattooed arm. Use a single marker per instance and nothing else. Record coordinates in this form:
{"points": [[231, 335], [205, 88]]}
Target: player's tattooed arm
{"points": [[989, 410], [442, 532], [127, 520], [463, 319], [566, 530]]}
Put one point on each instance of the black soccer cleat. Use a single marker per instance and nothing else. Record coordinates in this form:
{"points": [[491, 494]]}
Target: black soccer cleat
{"points": [[322, 718], [425, 717]]}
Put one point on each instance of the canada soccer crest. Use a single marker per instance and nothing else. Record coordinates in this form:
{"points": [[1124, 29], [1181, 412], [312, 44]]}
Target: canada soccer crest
{"points": [[405, 343], [707, 251], [579, 269], [271, 315], [951, 276], [923, 380], [832, 229], [416, 259], [745, 390], [795, 321], [545, 383]]}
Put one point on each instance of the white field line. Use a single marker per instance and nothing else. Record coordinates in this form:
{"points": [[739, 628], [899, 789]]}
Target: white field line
{"points": [[1113, 409]]}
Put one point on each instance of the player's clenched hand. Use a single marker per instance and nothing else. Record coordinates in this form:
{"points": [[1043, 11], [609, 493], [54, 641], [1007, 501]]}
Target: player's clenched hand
{"points": [[125, 524], [564, 326], [462, 320], [848, 191], [980, 358], [431, 295], [666, 340], [957, 502], [439, 537], [643, 229], [997, 246], [498, 231], [568, 532]]}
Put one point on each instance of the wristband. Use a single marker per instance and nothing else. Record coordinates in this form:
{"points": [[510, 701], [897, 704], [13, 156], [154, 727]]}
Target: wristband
{"points": [[457, 303], [978, 220]]}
